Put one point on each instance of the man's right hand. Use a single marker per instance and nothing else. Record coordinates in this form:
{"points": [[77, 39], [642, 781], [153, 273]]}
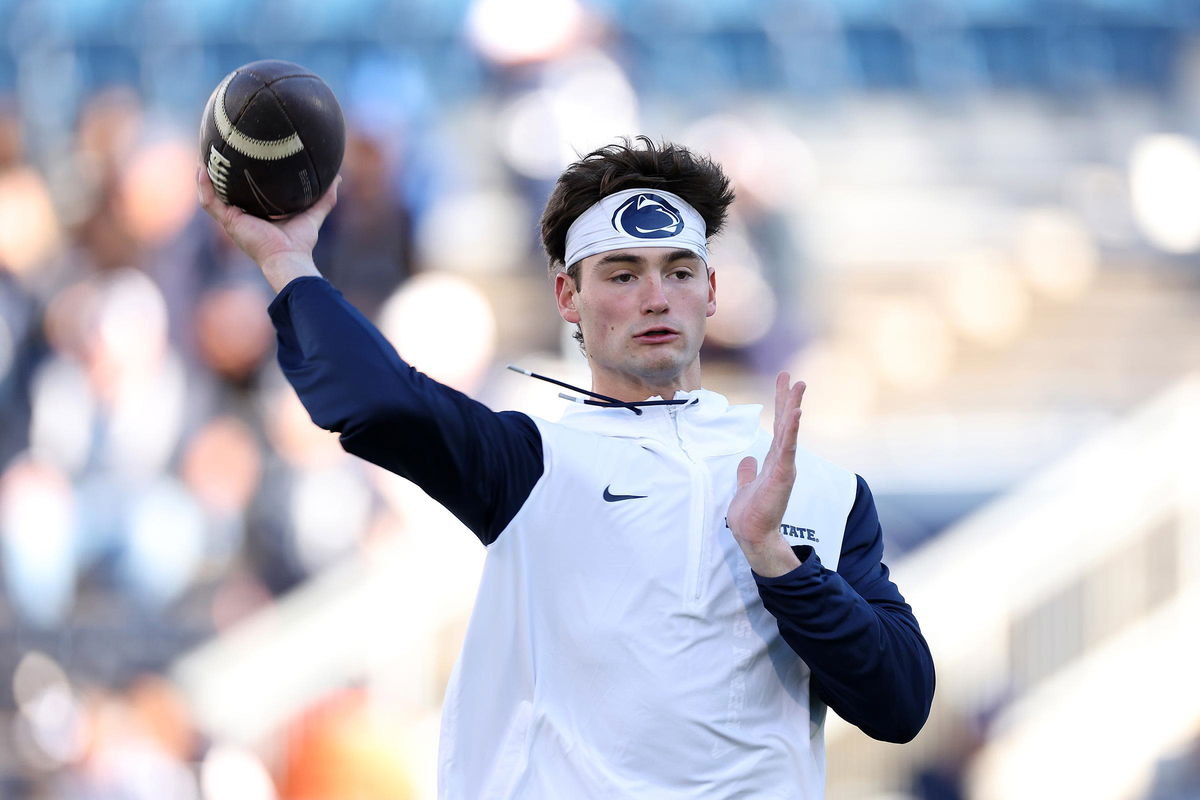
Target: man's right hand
{"points": [[283, 249]]}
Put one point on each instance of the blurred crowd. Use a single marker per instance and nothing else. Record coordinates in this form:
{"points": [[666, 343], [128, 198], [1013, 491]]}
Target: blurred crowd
{"points": [[158, 480]]}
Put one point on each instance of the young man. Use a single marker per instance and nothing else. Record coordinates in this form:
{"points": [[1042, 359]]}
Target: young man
{"points": [[659, 615]]}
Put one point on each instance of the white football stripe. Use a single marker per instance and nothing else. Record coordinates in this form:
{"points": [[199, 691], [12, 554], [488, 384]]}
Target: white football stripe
{"points": [[259, 149]]}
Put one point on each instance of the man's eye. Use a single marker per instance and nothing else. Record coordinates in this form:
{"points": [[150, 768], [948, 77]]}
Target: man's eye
{"points": [[624, 277], [683, 274]]}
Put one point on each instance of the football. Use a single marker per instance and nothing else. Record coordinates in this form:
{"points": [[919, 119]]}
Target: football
{"points": [[272, 138]]}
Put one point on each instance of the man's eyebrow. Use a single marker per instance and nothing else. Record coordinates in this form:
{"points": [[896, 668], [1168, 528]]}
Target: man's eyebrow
{"points": [[631, 258], [620, 258]]}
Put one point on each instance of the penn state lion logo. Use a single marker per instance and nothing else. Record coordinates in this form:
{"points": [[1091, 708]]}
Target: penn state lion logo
{"points": [[648, 216]]}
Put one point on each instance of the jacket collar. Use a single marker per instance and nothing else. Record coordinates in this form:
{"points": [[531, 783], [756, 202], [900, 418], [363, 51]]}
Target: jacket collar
{"points": [[706, 426]]}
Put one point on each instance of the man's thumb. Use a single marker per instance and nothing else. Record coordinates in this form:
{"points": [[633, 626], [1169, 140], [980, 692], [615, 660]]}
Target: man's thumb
{"points": [[747, 471]]}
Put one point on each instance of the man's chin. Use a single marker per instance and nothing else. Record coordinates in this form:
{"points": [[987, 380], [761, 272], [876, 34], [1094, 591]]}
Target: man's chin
{"points": [[659, 369]]}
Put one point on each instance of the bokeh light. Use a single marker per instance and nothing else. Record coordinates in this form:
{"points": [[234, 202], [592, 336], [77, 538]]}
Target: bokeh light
{"points": [[582, 103], [50, 711], [300, 442], [29, 232], [475, 232], [37, 527], [158, 189], [232, 771], [146, 419], [512, 33], [162, 713], [1099, 193], [342, 749], [327, 508], [911, 342], [985, 299], [232, 332], [166, 542], [1164, 185], [69, 319], [745, 301], [842, 385], [131, 323], [61, 429], [444, 326], [222, 465], [1056, 254], [769, 164]]}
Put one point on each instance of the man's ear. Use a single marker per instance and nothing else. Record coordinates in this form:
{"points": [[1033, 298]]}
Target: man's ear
{"points": [[712, 292], [565, 292]]}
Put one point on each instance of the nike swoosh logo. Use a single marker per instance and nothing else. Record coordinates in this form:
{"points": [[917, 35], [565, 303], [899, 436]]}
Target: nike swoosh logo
{"points": [[613, 498], [267, 206]]}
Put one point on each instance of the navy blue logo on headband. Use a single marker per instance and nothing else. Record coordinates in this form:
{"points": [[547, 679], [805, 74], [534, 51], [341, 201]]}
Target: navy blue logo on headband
{"points": [[648, 216]]}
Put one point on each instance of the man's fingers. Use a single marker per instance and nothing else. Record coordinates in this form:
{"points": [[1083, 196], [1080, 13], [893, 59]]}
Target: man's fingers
{"points": [[316, 214], [792, 398], [791, 433], [798, 394], [787, 423], [329, 199], [793, 413], [204, 188], [781, 395], [747, 471], [212, 204], [320, 210], [783, 380], [787, 399]]}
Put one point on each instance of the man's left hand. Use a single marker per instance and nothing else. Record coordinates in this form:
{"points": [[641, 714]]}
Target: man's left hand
{"points": [[756, 511]]}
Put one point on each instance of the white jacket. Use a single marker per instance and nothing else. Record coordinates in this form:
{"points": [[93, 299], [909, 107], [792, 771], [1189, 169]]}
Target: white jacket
{"points": [[619, 649]]}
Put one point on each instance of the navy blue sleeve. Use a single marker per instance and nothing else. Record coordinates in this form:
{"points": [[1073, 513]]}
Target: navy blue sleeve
{"points": [[479, 464], [869, 661]]}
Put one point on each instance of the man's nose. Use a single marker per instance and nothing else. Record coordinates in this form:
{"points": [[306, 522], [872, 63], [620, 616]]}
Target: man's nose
{"points": [[654, 299]]}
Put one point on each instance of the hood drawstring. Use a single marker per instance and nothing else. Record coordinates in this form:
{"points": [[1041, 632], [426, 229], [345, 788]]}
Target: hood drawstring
{"points": [[601, 400]]}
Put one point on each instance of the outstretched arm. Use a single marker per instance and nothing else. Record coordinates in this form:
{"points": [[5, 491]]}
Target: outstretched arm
{"points": [[478, 464]]}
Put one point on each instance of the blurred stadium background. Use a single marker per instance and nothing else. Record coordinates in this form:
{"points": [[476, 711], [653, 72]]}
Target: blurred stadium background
{"points": [[971, 226]]}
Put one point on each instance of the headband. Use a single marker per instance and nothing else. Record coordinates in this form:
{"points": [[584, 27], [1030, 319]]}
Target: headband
{"points": [[636, 218]]}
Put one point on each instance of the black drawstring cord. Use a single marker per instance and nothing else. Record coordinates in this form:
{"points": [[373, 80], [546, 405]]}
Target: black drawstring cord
{"points": [[601, 400]]}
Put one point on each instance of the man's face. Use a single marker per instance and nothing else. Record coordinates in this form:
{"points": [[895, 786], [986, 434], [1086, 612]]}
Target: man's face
{"points": [[642, 311]]}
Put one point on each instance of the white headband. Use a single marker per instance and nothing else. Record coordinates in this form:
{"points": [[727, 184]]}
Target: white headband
{"points": [[636, 218]]}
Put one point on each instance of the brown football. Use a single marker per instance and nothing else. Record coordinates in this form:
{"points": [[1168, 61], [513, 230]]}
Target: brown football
{"points": [[272, 138]]}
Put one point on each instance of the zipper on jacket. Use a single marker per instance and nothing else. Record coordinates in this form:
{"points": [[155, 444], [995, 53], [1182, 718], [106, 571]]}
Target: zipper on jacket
{"points": [[697, 540]]}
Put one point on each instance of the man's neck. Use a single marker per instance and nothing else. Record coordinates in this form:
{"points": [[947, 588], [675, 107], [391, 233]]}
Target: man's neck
{"points": [[633, 389]]}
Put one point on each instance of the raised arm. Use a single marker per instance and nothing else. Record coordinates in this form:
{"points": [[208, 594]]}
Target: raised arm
{"points": [[479, 464], [852, 628]]}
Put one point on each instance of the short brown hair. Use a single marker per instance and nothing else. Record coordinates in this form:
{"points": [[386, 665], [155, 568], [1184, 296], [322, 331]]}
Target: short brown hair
{"points": [[633, 164]]}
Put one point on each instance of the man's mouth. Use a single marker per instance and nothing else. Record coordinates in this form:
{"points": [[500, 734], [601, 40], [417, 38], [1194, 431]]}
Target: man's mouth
{"points": [[655, 335]]}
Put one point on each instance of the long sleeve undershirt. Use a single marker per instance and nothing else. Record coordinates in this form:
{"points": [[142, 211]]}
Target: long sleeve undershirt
{"points": [[869, 661], [853, 629]]}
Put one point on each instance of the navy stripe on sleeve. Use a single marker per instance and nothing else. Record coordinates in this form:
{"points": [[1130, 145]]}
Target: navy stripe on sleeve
{"points": [[852, 628], [479, 464]]}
